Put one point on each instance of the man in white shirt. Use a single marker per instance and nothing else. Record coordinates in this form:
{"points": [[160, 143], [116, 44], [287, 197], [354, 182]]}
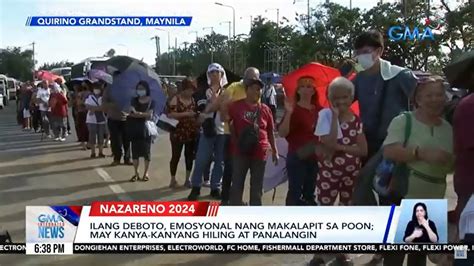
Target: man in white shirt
{"points": [[269, 97], [42, 99]]}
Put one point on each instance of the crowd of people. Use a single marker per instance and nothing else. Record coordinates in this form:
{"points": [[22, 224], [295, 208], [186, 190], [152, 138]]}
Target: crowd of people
{"points": [[233, 129]]}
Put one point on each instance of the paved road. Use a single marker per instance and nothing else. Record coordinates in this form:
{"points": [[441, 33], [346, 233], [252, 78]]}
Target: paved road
{"points": [[49, 173]]}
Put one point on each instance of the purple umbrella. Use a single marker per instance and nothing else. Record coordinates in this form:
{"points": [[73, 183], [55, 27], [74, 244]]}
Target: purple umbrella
{"points": [[127, 72]]}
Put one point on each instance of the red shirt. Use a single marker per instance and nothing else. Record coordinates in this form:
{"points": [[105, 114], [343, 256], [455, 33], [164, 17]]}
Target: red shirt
{"points": [[58, 104], [241, 114], [464, 145], [302, 125]]}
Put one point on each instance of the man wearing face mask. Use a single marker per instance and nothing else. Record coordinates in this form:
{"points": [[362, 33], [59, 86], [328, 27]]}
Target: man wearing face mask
{"points": [[383, 89]]}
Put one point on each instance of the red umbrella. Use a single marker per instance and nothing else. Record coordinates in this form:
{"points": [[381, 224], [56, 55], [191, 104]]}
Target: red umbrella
{"points": [[323, 75], [46, 75]]}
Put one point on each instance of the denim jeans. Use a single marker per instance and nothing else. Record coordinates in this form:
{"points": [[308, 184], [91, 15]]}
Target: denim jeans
{"points": [[301, 180], [206, 148]]}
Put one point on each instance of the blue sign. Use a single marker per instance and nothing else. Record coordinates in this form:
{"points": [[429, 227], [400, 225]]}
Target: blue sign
{"points": [[94, 21], [398, 33]]}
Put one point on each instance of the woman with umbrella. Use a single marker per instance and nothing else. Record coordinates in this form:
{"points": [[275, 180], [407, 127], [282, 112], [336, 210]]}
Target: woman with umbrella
{"points": [[141, 110]]}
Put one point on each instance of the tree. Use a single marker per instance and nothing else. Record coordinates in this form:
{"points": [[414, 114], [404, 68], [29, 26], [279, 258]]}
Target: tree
{"points": [[110, 53], [49, 66], [17, 63]]}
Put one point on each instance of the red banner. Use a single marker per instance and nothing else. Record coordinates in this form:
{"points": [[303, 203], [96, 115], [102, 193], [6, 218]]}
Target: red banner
{"points": [[146, 208]]}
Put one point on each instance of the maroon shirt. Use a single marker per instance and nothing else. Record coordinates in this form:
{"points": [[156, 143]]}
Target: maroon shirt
{"points": [[241, 113], [59, 109], [302, 125], [464, 145]]}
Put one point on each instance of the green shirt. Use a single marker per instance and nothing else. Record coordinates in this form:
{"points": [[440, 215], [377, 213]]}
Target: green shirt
{"points": [[426, 180]]}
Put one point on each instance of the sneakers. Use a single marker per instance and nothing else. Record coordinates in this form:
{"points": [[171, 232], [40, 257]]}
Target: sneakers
{"points": [[216, 194], [57, 139], [62, 139], [50, 136], [206, 183], [195, 193]]}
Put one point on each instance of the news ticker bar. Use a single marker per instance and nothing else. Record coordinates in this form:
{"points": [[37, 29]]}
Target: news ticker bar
{"points": [[114, 248]]}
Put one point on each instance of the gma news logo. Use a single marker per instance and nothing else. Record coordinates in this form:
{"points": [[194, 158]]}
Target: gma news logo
{"points": [[430, 27], [50, 226]]}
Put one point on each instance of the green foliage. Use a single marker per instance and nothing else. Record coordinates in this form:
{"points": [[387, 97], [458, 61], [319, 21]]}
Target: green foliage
{"points": [[49, 66], [17, 63]]}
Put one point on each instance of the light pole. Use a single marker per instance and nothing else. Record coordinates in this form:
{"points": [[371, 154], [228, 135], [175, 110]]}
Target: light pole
{"points": [[123, 45], [277, 38], [233, 24], [230, 54], [169, 46], [251, 20], [212, 48], [195, 32]]}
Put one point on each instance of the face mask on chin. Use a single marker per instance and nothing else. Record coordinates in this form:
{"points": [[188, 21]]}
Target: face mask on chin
{"points": [[365, 61], [96, 92]]}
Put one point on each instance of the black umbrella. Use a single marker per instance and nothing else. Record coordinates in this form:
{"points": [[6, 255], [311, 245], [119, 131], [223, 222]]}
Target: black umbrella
{"points": [[457, 72], [202, 79]]}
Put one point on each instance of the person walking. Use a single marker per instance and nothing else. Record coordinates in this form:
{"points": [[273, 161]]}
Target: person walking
{"points": [[252, 130], [96, 120], [211, 139], [182, 107], [297, 126], [117, 123], [141, 110], [58, 103]]}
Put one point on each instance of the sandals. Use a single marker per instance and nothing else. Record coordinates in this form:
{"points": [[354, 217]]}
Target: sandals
{"points": [[173, 183], [145, 178], [134, 178]]}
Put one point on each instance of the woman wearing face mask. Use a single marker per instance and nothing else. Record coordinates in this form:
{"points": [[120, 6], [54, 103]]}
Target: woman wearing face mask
{"points": [[141, 110], [429, 150], [96, 120], [297, 127], [340, 132]]}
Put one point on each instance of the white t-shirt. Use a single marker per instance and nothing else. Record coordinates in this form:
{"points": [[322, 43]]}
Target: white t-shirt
{"points": [[91, 119], [44, 95], [218, 121]]}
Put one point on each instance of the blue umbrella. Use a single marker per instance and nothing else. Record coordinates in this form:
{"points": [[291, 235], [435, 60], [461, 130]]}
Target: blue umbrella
{"points": [[274, 76], [126, 78]]}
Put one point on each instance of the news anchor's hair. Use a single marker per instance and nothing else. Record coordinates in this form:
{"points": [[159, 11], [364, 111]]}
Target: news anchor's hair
{"points": [[413, 217]]}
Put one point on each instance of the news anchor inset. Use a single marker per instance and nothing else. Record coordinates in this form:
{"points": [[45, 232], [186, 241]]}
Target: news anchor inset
{"points": [[420, 229]]}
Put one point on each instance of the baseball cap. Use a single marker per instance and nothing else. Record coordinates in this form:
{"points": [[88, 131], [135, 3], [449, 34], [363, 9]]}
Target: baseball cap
{"points": [[250, 82]]}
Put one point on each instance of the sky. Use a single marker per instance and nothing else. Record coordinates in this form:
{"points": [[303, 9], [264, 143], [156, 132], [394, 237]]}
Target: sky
{"points": [[53, 44]]}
